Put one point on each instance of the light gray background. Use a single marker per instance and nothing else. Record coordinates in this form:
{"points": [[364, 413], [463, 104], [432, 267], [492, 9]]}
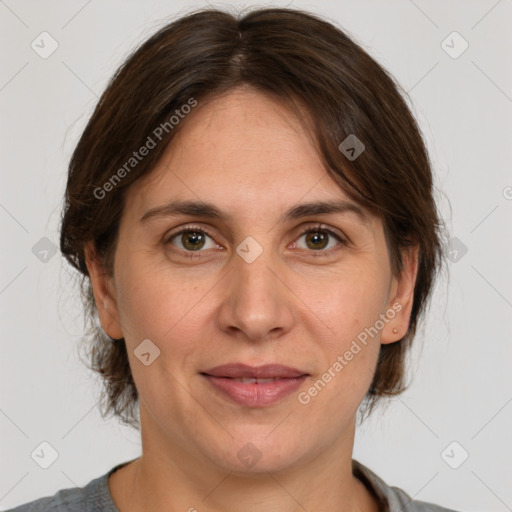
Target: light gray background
{"points": [[461, 364]]}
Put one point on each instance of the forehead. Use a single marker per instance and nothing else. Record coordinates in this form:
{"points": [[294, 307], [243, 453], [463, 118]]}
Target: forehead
{"points": [[245, 151], [243, 134]]}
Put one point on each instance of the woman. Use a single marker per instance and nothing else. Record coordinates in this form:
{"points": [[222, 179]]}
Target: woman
{"points": [[251, 206]]}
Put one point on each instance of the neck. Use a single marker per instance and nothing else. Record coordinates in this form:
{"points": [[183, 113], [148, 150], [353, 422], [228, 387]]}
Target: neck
{"points": [[172, 479]]}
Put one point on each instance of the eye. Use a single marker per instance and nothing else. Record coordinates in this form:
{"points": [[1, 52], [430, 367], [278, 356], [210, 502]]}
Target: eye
{"points": [[317, 238], [192, 239]]}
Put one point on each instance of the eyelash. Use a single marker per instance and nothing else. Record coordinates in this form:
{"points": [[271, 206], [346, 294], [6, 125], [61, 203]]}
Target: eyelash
{"points": [[318, 228]]}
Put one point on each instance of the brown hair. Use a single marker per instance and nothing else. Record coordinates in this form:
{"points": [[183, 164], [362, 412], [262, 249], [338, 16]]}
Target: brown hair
{"points": [[297, 57]]}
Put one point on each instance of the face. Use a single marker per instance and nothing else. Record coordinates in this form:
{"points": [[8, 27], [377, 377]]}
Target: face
{"points": [[250, 287]]}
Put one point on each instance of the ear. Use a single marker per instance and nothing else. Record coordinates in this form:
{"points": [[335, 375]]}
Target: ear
{"points": [[104, 293], [401, 297]]}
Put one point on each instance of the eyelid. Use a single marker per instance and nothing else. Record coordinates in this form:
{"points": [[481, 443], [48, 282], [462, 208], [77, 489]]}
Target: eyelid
{"points": [[183, 229], [325, 227]]}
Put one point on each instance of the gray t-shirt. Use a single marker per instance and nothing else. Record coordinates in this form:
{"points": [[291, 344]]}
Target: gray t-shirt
{"points": [[96, 497]]}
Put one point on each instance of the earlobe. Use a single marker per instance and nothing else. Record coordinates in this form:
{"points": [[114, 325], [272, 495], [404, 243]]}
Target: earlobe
{"points": [[401, 299], [104, 296]]}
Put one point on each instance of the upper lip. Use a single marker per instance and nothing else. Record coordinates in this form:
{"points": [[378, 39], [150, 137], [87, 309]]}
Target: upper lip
{"points": [[267, 371]]}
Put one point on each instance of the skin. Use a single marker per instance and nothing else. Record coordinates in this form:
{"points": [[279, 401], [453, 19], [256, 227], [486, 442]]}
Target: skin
{"points": [[249, 155]]}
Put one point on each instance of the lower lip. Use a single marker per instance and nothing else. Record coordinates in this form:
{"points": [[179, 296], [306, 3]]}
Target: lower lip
{"points": [[256, 394]]}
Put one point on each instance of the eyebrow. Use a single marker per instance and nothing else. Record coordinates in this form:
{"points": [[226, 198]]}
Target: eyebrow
{"points": [[208, 210]]}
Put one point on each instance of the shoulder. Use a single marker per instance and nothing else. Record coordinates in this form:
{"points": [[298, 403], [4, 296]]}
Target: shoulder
{"points": [[92, 497], [392, 499], [407, 504]]}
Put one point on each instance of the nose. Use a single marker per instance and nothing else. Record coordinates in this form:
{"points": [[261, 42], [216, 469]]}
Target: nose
{"points": [[258, 303]]}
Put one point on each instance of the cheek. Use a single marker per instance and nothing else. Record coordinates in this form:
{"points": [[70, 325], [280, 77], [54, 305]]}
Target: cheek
{"points": [[349, 304], [158, 304], [347, 300]]}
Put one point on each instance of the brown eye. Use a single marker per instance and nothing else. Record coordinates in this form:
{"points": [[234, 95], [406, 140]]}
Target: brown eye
{"points": [[317, 238], [190, 240]]}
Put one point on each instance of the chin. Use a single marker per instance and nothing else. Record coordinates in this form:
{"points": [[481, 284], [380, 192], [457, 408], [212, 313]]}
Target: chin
{"points": [[259, 454]]}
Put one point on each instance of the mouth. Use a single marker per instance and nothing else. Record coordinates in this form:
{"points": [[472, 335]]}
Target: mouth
{"points": [[252, 380], [254, 386], [267, 371]]}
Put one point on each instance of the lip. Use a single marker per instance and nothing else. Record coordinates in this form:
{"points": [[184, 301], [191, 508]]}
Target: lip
{"points": [[255, 394], [266, 371]]}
